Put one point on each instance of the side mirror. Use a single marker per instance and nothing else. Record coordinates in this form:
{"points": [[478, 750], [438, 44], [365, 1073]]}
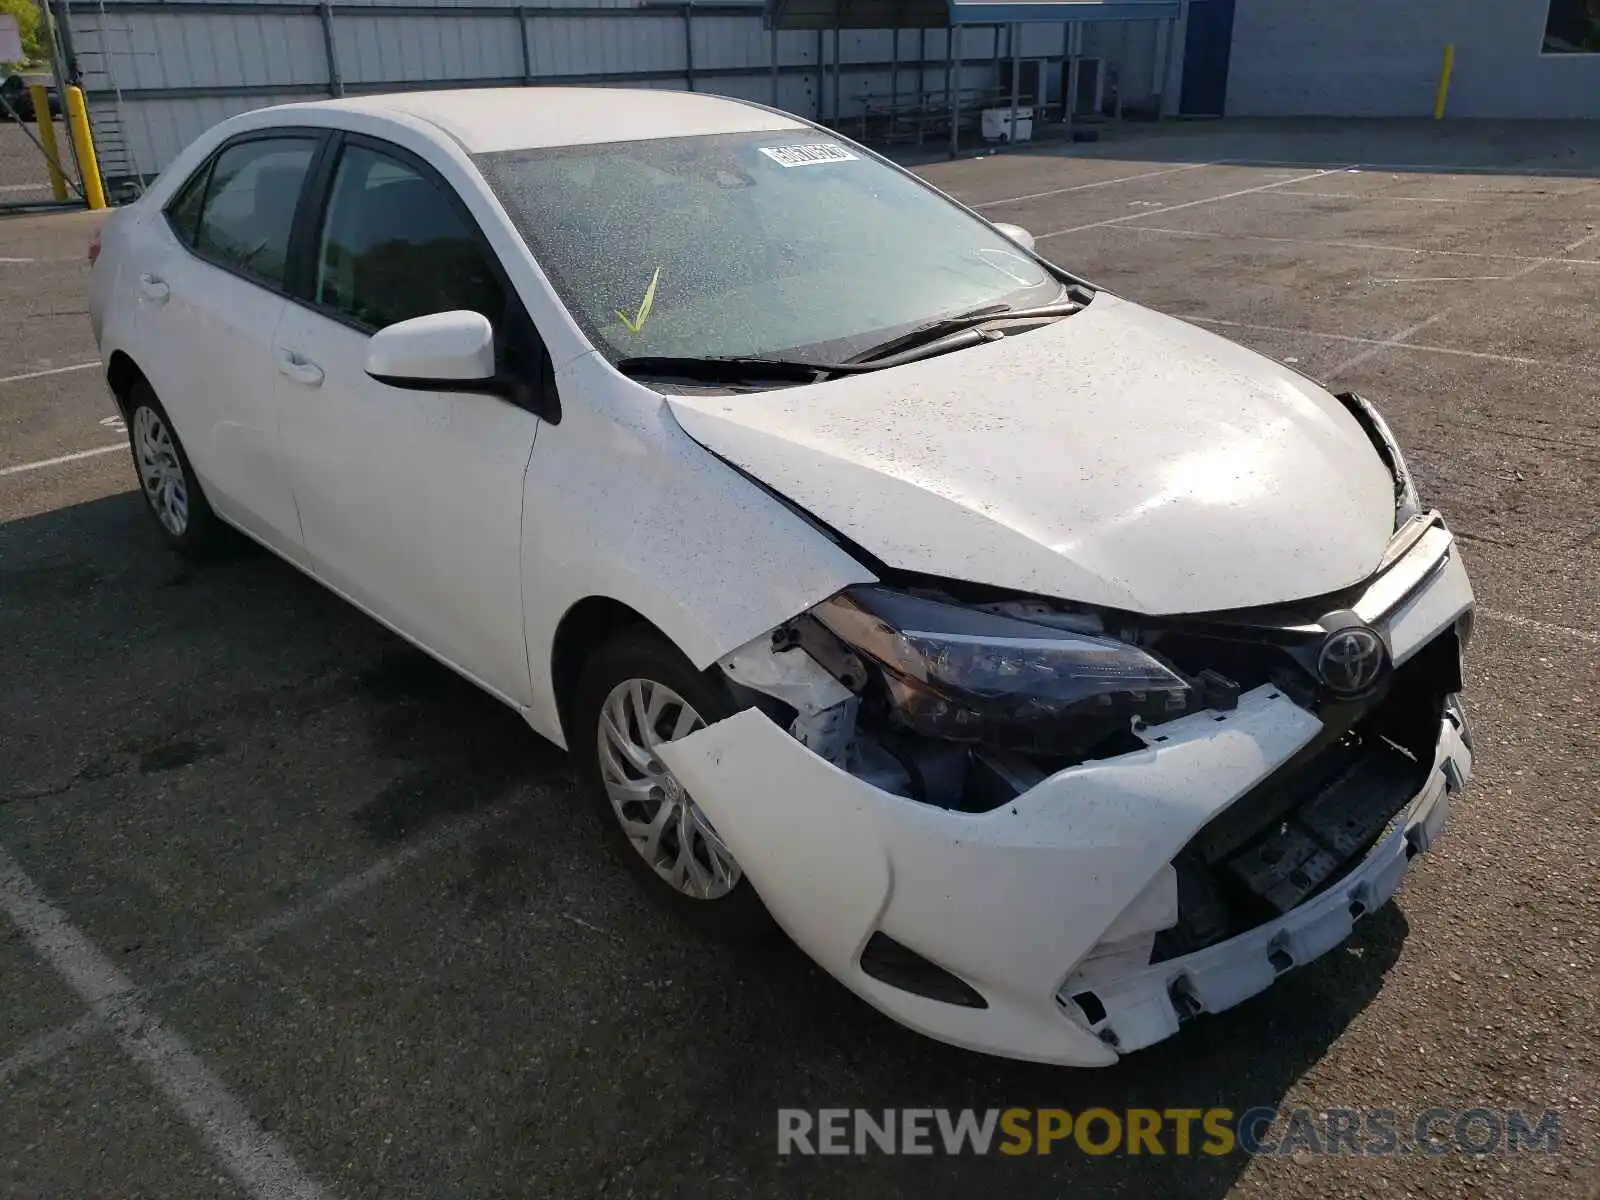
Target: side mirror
{"points": [[442, 352], [1016, 233]]}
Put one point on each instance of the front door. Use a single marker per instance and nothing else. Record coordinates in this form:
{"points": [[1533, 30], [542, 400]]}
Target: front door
{"points": [[410, 501], [1206, 49]]}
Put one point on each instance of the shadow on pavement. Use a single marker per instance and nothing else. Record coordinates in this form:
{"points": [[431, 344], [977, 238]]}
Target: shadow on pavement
{"points": [[91, 602]]}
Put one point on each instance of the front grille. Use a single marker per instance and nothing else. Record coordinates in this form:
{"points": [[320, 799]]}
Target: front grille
{"points": [[1309, 823]]}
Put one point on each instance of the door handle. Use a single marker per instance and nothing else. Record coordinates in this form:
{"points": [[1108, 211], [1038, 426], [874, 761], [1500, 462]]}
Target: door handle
{"points": [[154, 289], [300, 369]]}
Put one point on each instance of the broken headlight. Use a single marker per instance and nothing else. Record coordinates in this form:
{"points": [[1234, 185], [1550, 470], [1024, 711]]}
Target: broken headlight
{"points": [[964, 675], [1406, 503]]}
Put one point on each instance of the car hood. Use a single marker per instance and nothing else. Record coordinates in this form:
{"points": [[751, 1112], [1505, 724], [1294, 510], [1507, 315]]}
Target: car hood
{"points": [[1117, 457]]}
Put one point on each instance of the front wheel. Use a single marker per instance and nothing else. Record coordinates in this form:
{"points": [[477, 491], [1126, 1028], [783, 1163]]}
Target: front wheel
{"points": [[638, 692]]}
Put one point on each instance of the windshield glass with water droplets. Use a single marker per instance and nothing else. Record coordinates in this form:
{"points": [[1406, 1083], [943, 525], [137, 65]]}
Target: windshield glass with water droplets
{"points": [[785, 244]]}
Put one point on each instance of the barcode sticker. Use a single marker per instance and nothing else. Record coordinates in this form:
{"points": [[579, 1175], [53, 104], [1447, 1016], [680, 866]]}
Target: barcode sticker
{"points": [[807, 156]]}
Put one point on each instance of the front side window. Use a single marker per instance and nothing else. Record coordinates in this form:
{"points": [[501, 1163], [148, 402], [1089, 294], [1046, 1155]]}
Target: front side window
{"points": [[250, 203], [394, 246], [786, 244]]}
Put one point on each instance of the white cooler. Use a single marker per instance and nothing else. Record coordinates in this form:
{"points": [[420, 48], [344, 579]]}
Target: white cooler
{"points": [[995, 124]]}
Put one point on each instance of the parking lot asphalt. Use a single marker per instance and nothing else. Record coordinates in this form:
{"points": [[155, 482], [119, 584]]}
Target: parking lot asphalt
{"points": [[309, 913]]}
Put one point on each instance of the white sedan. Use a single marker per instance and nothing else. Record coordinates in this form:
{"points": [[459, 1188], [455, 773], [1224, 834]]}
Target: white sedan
{"points": [[1052, 671]]}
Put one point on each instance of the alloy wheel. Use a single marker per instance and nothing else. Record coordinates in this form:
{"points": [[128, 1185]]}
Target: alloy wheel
{"points": [[160, 471], [661, 820]]}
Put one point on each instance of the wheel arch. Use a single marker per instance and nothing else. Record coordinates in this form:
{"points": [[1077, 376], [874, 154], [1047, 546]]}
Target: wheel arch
{"points": [[122, 374], [586, 626]]}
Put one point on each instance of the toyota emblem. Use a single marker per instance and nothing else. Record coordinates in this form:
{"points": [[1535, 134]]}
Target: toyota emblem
{"points": [[1351, 660]]}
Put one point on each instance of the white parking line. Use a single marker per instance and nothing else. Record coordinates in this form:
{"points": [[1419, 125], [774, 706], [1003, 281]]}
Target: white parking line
{"points": [[1521, 622], [1156, 212], [1348, 245], [1367, 168], [1100, 183], [1382, 196], [1405, 335], [51, 371], [41, 464], [1422, 347], [253, 1156], [46, 1046]]}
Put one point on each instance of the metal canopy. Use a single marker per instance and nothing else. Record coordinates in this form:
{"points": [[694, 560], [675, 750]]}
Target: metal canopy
{"points": [[1006, 12], [941, 14]]}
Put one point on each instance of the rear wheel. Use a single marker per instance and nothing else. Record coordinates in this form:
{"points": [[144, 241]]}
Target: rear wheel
{"points": [[168, 482], [638, 692]]}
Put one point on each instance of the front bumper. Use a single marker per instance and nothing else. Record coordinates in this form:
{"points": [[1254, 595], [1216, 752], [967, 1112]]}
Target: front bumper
{"points": [[1060, 892]]}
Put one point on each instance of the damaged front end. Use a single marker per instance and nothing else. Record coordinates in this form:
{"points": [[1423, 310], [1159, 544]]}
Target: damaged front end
{"points": [[1056, 833]]}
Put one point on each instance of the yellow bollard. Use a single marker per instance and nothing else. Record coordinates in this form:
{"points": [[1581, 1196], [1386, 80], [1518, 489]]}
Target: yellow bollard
{"points": [[1444, 82], [47, 139], [83, 143]]}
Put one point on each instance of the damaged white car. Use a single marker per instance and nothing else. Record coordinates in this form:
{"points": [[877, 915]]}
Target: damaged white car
{"points": [[1052, 671]]}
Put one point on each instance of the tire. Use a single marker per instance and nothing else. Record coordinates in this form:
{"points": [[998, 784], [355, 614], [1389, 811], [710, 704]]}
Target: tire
{"points": [[641, 656], [167, 482]]}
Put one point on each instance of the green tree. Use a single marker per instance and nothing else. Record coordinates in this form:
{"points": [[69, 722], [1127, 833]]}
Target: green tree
{"points": [[29, 25]]}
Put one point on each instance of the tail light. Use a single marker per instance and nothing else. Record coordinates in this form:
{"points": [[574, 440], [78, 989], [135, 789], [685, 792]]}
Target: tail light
{"points": [[94, 247]]}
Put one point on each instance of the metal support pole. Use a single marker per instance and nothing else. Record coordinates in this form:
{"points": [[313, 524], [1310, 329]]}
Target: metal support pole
{"points": [[47, 140], [952, 74], [774, 54], [836, 75], [894, 82], [688, 43], [1016, 77], [822, 76], [78, 122], [1075, 51], [922, 81], [1122, 65], [335, 80], [522, 40], [1164, 34]]}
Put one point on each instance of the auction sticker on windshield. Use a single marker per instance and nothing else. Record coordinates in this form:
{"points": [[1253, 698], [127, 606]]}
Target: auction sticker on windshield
{"points": [[807, 156]]}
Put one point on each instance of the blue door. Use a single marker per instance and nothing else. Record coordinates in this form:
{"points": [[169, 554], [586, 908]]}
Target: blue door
{"points": [[1205, 58]]}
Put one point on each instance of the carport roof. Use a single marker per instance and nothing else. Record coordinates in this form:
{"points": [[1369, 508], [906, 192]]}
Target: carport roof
{"points": [[937, 14]]}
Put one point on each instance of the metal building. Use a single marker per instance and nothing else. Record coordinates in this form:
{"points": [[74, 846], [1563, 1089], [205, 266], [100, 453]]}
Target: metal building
{"points": [[159, 72], [1385, 58]]}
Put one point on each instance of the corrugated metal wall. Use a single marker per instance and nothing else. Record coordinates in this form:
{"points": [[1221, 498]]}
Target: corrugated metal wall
{"points": [[1380, 58], [160, 72]]}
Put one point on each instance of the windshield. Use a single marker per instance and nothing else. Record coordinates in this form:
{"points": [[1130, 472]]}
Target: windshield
{"points": [[751, 244]]}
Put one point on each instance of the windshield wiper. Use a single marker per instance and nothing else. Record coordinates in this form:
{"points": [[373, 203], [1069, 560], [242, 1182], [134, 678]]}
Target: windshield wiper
{"points": [[934, 331], [733, 369], [955, 332]]}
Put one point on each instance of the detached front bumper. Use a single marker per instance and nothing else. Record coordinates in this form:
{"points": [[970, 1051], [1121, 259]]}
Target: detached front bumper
{"points": [[1011, 900], [1049, 906]]}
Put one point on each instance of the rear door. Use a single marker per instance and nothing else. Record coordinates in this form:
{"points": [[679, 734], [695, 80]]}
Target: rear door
{"points": [[410, 501], [209, 285]]}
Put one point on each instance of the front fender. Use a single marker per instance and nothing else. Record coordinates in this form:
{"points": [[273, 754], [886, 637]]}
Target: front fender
{"points": [[621, 503]]}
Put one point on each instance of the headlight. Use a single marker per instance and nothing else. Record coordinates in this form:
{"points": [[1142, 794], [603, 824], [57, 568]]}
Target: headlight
{"points": [[1406, 503], [960, 674]]}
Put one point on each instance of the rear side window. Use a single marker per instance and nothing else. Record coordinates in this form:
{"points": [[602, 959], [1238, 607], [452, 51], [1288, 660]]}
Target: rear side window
{"points": [[183, 213], [249, 206], [395, 246]]}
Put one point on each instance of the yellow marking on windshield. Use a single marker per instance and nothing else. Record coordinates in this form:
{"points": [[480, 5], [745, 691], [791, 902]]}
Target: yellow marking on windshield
{"points": [[635, 324]]}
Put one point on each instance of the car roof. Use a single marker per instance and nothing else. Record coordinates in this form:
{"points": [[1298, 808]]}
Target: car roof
{"points": [[485, 120]]}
